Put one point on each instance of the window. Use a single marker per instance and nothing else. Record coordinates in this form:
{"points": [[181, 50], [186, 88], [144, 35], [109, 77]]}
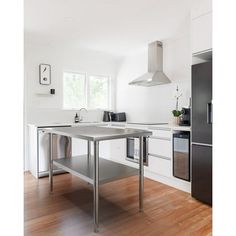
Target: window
{"points": [[74, 90], [82, 90], [98, 95]]}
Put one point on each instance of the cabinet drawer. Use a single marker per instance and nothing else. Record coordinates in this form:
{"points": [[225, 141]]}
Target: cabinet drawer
{"points": [[159, 166], [166, 134], [160, 147]]}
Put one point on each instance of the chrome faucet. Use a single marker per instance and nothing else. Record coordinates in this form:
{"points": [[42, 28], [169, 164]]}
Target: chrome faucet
{"points": [[80, 116]]}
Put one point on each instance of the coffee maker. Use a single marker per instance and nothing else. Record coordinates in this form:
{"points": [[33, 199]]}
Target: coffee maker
{"points": [[185, 117]]}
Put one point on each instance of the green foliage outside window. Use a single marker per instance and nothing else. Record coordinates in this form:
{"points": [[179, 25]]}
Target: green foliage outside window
{"points": [[91, 92]]}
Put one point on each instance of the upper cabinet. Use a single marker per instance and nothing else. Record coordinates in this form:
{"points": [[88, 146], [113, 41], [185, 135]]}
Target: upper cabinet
{"points": [[201, 26], [200, 7]]}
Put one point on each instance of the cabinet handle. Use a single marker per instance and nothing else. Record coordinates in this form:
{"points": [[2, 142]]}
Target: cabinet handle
{"points": [[209, 113], [159, 156], [158, 137], [165, 129]]}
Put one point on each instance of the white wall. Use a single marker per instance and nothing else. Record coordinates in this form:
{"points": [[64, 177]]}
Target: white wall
{"points": [[140, 103], [41, 109], [60, 59], [156, 103]]}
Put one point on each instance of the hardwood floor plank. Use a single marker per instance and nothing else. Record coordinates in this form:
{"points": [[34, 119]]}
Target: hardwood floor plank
{"points": [[68, 211]]}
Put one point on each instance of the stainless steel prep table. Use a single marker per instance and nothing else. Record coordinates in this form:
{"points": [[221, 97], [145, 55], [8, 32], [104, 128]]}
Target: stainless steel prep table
{"points": [[90, 168]]}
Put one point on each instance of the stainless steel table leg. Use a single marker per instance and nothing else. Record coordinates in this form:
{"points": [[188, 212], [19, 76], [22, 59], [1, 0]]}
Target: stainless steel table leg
{"points": [[89, 155], [51, 163], [89, 151], [95, 185], [141, 180]]}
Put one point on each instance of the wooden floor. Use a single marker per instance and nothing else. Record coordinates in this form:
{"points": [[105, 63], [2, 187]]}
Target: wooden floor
{"points": [[68, 211]]}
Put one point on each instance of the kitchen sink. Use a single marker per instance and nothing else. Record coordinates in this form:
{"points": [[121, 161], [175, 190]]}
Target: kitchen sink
{"points": [[86, 123]]}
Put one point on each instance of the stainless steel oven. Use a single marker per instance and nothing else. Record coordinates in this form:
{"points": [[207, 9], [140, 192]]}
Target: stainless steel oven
{"points": [[132, 150]]}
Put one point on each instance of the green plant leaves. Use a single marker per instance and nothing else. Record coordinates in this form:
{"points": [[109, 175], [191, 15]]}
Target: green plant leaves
{"points": [[176, 113]]}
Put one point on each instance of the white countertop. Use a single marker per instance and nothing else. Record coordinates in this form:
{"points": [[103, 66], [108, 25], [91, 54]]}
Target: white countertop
{"points": [[120, 124], [59, 124], [172, 127]]}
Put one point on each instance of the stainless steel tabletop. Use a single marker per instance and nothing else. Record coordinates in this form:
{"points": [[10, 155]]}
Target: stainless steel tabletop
{"points": [[94, 133]]}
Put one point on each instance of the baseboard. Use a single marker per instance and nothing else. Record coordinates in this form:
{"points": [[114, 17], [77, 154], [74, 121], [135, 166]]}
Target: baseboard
{"points": [[173, 182]]}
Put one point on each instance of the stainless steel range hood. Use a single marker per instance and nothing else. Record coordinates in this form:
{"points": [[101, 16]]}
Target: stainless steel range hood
{"points": [[155, 74]]}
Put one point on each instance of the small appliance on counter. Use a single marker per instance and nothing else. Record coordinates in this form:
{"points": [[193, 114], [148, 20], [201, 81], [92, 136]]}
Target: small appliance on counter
{"points": [[119, 117], [111, 116], [185, 117], [107, 116]]}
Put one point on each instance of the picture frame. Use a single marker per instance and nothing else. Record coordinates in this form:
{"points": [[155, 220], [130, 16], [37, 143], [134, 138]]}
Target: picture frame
{"points": [[45, 74]]}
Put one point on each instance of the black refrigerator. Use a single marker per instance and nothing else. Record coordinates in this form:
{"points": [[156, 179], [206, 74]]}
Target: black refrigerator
{"points": [[201, 141]]}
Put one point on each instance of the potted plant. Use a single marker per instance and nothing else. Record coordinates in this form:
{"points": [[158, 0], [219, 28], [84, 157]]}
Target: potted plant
{"points": [[176, 113]]}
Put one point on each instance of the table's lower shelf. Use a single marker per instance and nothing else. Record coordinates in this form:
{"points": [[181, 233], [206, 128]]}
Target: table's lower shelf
{"points": [[108, 170]]}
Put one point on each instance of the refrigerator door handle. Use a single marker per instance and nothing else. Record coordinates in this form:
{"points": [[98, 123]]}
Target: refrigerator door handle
{"points": [[209, 113], [202, 144]]}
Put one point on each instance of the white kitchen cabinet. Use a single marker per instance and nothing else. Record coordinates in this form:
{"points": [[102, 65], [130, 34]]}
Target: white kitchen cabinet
{"points": [[160, 152], [162, 133], [118, 150], [160, 147], [104, 149], [160, 156], [160, 142], [33, 149], [160, 166], [202, 33], [79, 147], [200, 7], [113, 149]]}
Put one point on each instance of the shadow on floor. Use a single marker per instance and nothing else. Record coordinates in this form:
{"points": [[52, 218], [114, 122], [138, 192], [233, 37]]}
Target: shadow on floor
{"points": [[83, 199]]}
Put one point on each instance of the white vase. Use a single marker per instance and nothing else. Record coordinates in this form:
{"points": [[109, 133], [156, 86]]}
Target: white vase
{"points": [[176, 120]]}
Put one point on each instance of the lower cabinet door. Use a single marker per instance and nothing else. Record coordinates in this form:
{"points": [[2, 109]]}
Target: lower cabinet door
{"points": [[79, 147], [202, 173], [118, 150], [160, 147], [104, 149], [159, 166]]}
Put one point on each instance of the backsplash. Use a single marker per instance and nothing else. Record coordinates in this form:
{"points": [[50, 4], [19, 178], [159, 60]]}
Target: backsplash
{"points": [[58, 115]]}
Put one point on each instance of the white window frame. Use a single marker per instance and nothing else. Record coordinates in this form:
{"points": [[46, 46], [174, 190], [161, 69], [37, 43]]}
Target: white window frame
{"points": [[86, 89]]}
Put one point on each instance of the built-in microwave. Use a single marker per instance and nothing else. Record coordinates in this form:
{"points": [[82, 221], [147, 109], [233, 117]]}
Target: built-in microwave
{"points": [[132, 150]]}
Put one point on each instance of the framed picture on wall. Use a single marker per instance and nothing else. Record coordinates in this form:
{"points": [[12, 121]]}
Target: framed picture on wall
{"points": [[45, 74]]}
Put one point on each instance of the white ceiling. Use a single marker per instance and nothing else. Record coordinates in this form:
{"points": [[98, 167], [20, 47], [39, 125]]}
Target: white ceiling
{"points": [[114, 26]]}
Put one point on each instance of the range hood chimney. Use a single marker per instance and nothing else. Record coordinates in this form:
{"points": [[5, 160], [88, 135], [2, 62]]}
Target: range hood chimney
{"points": [[155, 74]]}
